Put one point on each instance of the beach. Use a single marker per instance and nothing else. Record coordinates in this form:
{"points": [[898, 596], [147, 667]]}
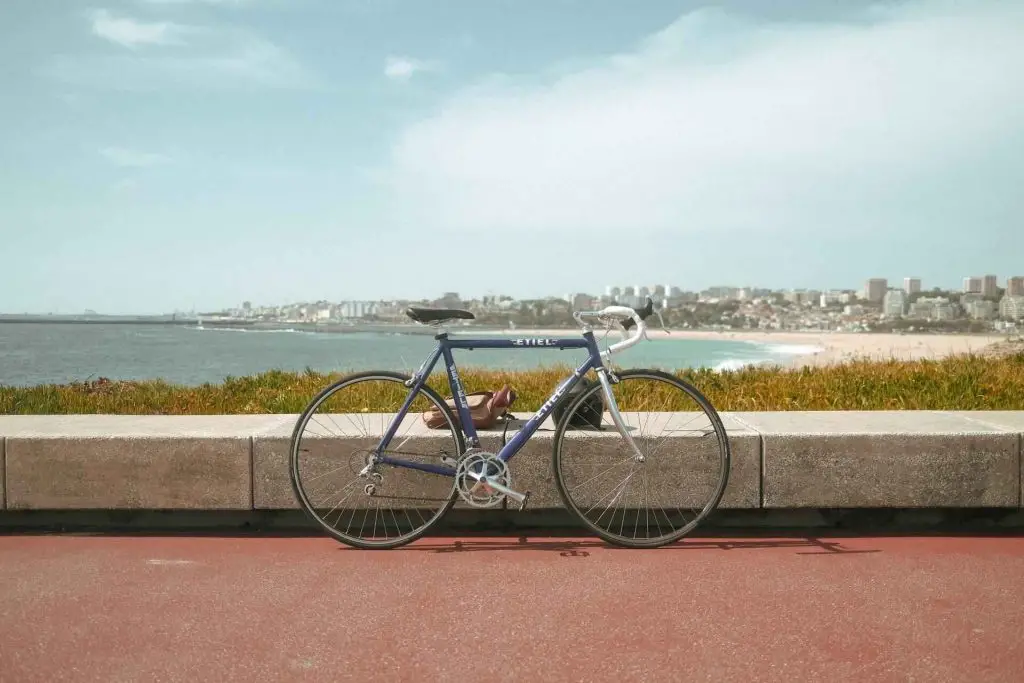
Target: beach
{"points": [[818, 348], [830, 348]]}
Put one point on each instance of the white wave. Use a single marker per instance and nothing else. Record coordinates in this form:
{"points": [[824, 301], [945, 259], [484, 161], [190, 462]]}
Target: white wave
{"points": [[249, 329], [794, 349]]}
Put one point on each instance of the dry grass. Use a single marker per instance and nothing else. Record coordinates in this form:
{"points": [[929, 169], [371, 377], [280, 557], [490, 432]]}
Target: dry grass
{"points": [[966, 382]]}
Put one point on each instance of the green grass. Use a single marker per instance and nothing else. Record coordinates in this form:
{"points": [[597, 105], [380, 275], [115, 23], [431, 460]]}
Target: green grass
{"points": [[965, 382]]}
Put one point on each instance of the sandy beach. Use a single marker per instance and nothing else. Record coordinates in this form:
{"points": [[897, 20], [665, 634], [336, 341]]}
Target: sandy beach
{"points": [[816, 348], [827, 348]]}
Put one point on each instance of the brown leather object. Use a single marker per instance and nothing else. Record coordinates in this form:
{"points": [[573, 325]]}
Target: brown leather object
{"points": [[485, 409]]}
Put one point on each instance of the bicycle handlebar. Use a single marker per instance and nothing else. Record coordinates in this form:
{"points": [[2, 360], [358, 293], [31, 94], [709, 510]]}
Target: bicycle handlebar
{"points": [[627, 318]]}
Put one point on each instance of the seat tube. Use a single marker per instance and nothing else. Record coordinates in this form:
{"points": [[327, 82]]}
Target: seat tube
{"points": [[459, 394]]}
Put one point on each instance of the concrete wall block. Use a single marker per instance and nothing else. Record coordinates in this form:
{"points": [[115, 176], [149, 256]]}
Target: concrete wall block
{"points": [[886, 459], [896, 470], [1008, 420], [128, 473]]}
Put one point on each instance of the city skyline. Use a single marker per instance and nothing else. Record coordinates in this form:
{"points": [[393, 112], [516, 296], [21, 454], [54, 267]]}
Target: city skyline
{"points": [[1013, 284]]}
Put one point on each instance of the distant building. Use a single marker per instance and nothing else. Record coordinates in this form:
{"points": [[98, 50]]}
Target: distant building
{"points": [[972, 284], [989, 288], [932, 308], [834, 296], [983, 309], [894, 304], [875, 289], [450, 300], [356, 309], [911, 285], [580, 301], [1015, 285], [1012, 307], [802, 297]]}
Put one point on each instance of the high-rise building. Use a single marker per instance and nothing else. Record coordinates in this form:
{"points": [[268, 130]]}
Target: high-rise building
{"points": [[989, 286], [972, 284], [911, 285], [1015, 285], [875, 289]]}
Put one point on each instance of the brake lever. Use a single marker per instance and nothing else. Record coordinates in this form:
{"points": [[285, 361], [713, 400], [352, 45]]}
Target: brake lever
{"points": [[661, 320]]}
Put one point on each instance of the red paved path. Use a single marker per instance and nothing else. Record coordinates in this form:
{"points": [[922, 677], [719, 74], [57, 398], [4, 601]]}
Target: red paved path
{"points": [[81, 608]]}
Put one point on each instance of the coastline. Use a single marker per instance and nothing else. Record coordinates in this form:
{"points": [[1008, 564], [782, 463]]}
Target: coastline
{"points": [[816, 348]]}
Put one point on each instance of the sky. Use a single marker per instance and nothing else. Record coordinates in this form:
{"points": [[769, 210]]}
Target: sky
{"points": [[161, 155]]}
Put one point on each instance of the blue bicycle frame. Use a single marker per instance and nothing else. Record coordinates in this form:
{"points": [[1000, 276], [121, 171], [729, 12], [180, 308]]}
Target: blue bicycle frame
{"points": [[444, 350]]}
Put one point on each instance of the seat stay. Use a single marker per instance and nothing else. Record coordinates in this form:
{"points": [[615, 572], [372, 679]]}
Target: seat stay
{"points": [[418, 379]]}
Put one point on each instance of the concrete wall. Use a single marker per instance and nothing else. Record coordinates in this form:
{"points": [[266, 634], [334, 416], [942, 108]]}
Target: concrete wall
{"points": [[876, 459]]}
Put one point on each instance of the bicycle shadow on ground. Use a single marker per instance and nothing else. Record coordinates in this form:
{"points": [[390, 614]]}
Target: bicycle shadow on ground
{"points": [[805, 545]]}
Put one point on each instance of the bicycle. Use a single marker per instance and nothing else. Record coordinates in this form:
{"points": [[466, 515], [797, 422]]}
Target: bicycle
{"points": [[456, 468]]}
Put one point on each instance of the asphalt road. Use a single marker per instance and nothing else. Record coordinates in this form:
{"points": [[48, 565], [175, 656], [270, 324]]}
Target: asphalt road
{"points": [[194, 608]]}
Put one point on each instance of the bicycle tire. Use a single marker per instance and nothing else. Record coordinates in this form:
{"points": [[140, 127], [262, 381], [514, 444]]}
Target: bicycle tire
{"points": [[294, 452], [724, 450]]}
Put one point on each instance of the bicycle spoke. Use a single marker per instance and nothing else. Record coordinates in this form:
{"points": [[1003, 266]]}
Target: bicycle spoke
{"points": [[333, 465], [682, 474]]}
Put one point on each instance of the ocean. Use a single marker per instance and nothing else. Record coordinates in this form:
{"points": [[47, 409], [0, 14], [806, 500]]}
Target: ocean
{"points": [[44, 353]]}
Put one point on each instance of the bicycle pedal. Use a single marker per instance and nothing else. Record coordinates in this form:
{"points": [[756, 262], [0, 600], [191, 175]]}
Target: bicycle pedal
{"points": [[526, 497]]}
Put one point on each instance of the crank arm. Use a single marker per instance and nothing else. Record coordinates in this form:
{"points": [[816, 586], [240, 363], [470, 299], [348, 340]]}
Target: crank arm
{"points": [[514, 495]]}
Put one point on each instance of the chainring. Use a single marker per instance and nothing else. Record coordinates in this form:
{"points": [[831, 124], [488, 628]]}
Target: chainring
{"points": [[478, 493]]}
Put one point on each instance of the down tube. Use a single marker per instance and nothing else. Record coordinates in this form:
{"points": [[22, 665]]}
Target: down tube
{"points": [[523, 435]]}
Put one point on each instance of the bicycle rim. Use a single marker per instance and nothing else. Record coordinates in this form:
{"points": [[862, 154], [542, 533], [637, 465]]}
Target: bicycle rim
{"points": [[679, 482], [333, 441]]}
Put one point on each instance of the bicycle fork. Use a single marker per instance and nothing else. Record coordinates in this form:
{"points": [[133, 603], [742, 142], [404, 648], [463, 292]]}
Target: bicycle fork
{"points": [[613, 408]]}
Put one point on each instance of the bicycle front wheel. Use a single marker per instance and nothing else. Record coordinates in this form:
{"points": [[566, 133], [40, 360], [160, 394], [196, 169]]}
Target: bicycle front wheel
{"points": [[359, 503], [661, 496]]}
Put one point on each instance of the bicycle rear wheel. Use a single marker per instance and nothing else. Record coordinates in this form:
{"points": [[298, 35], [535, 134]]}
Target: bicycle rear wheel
{"points": [[679, 481], [334, 440]]}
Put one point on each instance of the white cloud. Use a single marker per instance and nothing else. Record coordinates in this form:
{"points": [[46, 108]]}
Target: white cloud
{"points": [[404, 68], [122, 156], [132, 33], [903, 118], [216, 58]]}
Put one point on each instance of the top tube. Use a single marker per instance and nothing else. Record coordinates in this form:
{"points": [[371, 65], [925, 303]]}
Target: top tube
{"points": [[518, 342]]}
